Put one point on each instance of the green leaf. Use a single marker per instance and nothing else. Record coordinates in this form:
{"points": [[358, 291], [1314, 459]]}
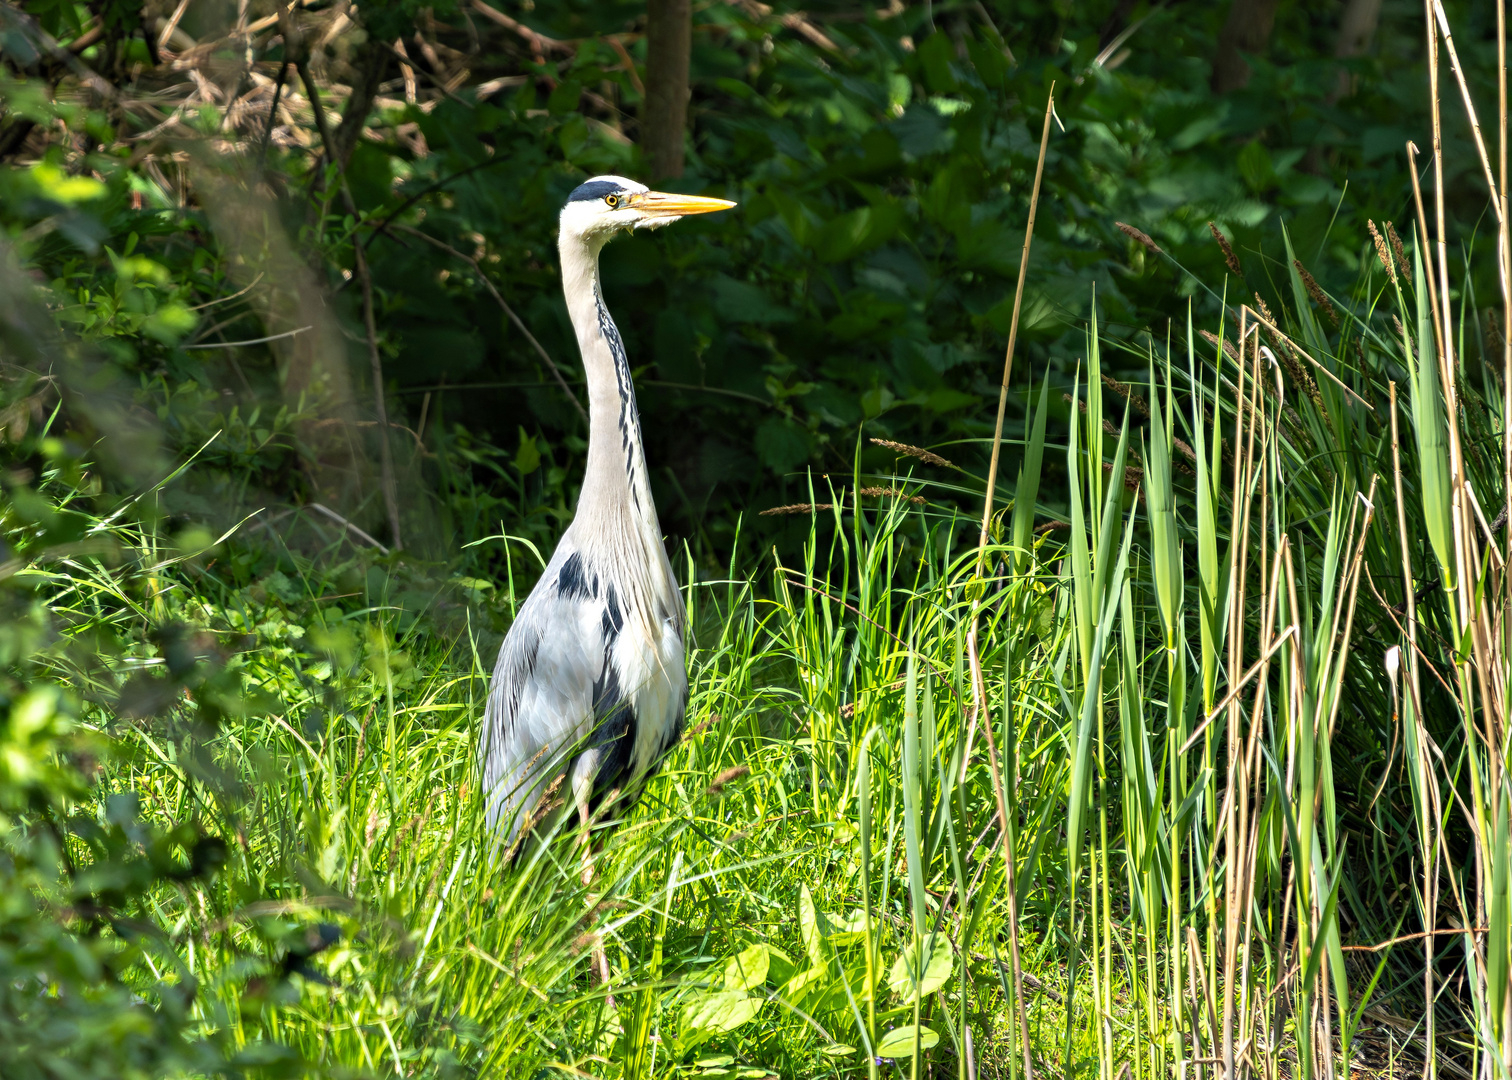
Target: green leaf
{"points": [[837, 1050], [780, 966], [899, 1042], [747, 969], [802, 984], [936, 972], [719, 1012], [852, 930], [715, 1061], [813, 927]]}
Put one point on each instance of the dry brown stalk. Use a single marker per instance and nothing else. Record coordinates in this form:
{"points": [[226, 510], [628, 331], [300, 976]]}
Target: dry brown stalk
{"points": [[1228, 252], [928, 457], [1319, 297], [1381, 253], [1137, 235]]}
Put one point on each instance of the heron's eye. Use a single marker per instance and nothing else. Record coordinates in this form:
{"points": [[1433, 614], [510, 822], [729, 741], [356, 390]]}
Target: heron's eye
{"points": [[612, 201]]}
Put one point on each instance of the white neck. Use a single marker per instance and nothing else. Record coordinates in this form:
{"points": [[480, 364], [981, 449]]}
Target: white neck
{"points": [[615, 484]]}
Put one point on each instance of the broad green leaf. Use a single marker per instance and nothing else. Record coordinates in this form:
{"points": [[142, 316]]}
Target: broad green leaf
{"points": [[747, 969], [715, 1061], [719, 1012], [813, 927], [780, 966], [899, 1042], [936, 971], [802, 984], [851, 930], [837, 1050]]}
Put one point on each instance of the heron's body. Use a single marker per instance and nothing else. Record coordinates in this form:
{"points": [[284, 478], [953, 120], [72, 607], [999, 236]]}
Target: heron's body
{"points": [[589, 683]]}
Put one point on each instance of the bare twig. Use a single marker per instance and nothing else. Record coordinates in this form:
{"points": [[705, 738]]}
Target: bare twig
{"points": [[251, 341], [355, 530]]}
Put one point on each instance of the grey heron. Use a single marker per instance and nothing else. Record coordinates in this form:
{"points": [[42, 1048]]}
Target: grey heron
{"points": [[589, 686]]}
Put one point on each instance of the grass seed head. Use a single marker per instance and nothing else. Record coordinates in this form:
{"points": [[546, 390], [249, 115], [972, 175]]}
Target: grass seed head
{"points": [[926, 456], [729, 776], [796, 508], [1396, 248], [1228, 252], [1228, 346], [1381, 252], [1141, 237], [892, 493], [1313, 290]]}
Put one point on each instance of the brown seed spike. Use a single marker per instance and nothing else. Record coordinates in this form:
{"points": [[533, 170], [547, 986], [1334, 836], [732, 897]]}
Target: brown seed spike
{"points": [[1380, 246], [1396, 248], [796, 508], [1317, 294], [1228, 346], [1134, 234], [926, 456], [729, 776], [1228, 252]]}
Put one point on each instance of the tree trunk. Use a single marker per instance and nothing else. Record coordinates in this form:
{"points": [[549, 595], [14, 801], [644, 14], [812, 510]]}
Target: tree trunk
{"points": [[1247, 30], [664, 114]]}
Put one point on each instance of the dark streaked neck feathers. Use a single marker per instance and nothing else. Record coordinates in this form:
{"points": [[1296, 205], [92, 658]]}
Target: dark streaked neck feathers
{"points": [[615, 503]]}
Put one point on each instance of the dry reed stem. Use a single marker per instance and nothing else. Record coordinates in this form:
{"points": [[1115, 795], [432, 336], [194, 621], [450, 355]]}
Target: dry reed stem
{"points": [[1306, 356], [1228, 252], [1459, 75], [928, 457], [979, 687]]}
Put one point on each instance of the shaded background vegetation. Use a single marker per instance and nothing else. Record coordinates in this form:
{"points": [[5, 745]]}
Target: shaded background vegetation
{"points": [[882, 159]]}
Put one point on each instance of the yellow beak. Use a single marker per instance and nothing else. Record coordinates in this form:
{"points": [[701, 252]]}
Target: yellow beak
{"points": [[662, 205]]}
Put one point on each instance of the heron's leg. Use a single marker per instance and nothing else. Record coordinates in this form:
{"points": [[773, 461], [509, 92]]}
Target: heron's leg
{"points": [[600, 957]]}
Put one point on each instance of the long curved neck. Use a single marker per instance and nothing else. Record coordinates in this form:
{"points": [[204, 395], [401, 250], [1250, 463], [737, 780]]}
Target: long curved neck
{"points": [[616, 480]]}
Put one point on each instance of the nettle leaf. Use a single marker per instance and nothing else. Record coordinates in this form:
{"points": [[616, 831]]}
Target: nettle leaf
{"points": [[747, 969], [899, 1042], [904, 975]]}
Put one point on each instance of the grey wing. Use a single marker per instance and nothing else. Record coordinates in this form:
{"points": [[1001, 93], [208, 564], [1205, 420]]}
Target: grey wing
{"points": [[541, 702]]}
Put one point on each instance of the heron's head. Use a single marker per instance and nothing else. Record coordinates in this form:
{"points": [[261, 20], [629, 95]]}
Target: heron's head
{"points": [[601, 207]]}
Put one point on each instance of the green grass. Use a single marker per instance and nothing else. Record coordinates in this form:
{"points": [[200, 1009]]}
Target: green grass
{"points": [[814, 885], [240, 827]]}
